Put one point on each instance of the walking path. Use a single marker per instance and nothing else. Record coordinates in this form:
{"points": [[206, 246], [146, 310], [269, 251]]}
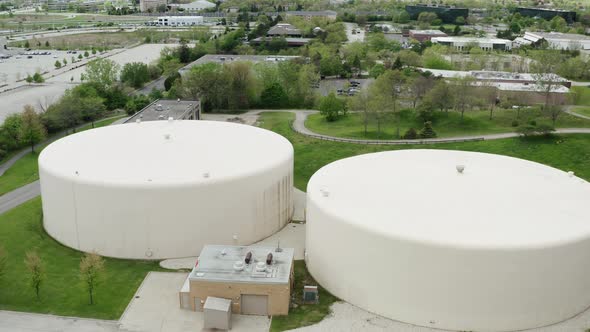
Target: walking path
{"points": [[570, 112], [301, 116], [11, 321]]}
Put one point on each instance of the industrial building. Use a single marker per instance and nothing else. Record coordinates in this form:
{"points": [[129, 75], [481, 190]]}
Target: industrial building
{"points": [[555, 40], [163, 109], [164, 189], [180, 21], [464, 43], [448, 14], [257, 280], [425, 35], [229, 58], [291, 42], [451, 239], [545, 13]]}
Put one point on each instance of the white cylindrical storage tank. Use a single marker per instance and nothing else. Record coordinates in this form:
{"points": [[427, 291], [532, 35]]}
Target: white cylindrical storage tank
{"points": [[449, 239], [164, 189]]}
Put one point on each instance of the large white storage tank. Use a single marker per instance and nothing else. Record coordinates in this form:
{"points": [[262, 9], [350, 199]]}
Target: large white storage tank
{"points": [[503, 245], [164, 189]]}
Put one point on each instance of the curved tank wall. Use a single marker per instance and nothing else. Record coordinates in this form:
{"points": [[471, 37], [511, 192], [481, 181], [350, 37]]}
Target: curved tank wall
{"points": [[503, 246], [164, 189]]}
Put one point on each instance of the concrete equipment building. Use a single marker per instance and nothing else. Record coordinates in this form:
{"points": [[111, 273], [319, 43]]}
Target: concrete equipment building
{"points": [[163, 189], [451, 239], [258, 280], [463, 43], [162, 109]]}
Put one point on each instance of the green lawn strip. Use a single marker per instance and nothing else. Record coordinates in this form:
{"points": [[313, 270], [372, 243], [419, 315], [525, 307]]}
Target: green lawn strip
{"points": [[566, 152], [26, 169], [583, 95], [62, 292], [445, 124], [583, 110], [303, 314]]}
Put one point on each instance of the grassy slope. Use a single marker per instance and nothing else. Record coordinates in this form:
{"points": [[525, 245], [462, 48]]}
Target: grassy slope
{"points": [[26, 169], [566, 152], [584, 95], [445, 124], [62, 293], [304, 314]]}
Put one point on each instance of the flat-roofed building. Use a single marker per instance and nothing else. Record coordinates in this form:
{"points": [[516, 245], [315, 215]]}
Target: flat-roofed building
{"points": [[555, 40], [196, 6], [425, 35], [448, 14], [257, 280], [462, 43], [308, 15], [283, 30], [546, 13], [163, 109], [178, 21], [150, 5]]}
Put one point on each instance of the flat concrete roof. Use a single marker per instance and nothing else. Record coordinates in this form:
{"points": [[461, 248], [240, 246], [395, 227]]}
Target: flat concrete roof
{"points": [[163, 109], [558, 36], [216, 264], [428, 32], [452, 39]]}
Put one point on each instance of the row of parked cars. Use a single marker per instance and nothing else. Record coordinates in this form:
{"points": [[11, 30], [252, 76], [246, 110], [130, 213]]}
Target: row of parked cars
{"points": [[354, 87]]}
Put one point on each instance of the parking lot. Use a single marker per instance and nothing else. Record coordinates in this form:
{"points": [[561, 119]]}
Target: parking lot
{"points": [[334, 85], [18, 66]]}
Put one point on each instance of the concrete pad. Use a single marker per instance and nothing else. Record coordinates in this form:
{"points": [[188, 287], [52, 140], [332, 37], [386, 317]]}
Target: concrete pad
{"points": [[179, 263], [11, 321], [249, 118], [156, 308]]}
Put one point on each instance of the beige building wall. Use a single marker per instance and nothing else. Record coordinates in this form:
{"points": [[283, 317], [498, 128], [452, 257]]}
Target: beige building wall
{"points": [[278, 295]]}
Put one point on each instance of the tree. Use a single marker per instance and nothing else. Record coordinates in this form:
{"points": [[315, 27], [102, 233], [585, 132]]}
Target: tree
{"points": [[47, 43], [274, 96], [420, 86], [403, 17], [240, 84], [184, 53], [330, 65], [377, 70], [460, 20], [427, 17], [57, 64], [207, 83], [558, 23], [32, 130], [36, 271], [65, 62], [391, 86], [440, 96], [86, 54], [360, 103], [427, 131], [135, 74], [102, 72], [10, 131], [554, 111], [37, 78], [331, 107], [463, 94], [91, 270]]}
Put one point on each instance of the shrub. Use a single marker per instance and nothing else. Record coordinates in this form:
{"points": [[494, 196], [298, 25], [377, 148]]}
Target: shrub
{"points": [[170, 80], [410, 134], [533, 123], [514, 123], [427, 131], [540, 130]]}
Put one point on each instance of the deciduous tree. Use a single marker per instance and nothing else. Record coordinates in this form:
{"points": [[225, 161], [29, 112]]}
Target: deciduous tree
{"points": [[36, 271], [32, 130], [91, 270]]}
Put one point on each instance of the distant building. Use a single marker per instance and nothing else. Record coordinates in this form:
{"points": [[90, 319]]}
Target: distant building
{"points": [[163, 109], [555, 40], [180, 21], [425, 35], [150, 5], [196, 6], [569, 16], [487, 44], [257, 280], [229, 58], [291, 42], [283, 30], [447, 14], [308, 15]]}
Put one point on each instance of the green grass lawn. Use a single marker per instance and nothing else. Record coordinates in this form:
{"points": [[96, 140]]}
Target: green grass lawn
{"points": [[26, 169], [584, 110], [445, 124], [566, 152], [304, 314], [583, 95], [62, 292]]}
